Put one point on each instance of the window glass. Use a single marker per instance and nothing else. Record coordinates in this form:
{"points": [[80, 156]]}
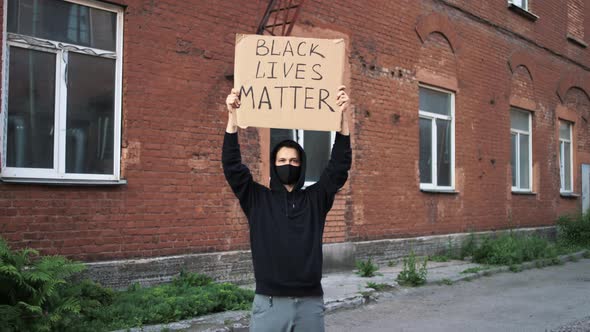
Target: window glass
{"points": [[90, 114], [443, 152], [520, 3], [317, 152], [524, 162], [564, 130], [435, 102], [519, 120], [317, 146], [513, 157], [279, 135], [567, 166], [425, 151], [31, 109], [63, 21]]}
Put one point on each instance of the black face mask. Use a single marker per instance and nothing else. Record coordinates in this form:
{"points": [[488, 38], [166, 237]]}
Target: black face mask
{"points": [[288, 174]]}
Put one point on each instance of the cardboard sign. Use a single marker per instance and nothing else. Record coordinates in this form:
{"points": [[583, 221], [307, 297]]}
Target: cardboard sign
{"points": [[288, 82]]}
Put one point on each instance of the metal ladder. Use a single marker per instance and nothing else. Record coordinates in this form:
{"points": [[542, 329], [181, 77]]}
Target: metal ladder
{"points": [[280, 15]]}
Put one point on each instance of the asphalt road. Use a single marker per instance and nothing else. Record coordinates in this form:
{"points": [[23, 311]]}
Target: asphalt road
{"points": [[552, 298]]}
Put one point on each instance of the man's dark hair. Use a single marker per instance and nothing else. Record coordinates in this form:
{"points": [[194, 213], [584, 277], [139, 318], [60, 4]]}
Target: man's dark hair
{"points": [[287, 144]]}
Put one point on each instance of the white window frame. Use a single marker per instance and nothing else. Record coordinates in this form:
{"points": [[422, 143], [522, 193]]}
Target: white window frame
{"points": [[517, 165], [298, 136], [561, 161], [62, 49], [433, 116], [524, 4]]}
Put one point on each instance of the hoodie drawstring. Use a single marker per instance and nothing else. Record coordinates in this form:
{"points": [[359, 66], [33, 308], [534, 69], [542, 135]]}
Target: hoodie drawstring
{"points": [[286, 204]]}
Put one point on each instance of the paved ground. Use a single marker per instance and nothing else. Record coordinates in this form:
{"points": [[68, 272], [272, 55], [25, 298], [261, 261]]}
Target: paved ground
{"points": [[552, 298]]}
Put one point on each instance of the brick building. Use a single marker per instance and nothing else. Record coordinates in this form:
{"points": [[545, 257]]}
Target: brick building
{"points": [[468, 116]]}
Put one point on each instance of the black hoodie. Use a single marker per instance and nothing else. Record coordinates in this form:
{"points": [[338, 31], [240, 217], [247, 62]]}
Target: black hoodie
{"points": [[286, 228]]}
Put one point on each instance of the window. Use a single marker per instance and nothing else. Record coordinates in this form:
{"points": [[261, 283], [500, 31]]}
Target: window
{"points": [[437, 139], [575, 22], [565, 156], [524, 4], [317, 145], [64, 64], [521, 150]]}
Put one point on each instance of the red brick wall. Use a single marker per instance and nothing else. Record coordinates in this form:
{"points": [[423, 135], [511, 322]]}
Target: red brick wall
{"points": [[575, 15], [177, 55]]}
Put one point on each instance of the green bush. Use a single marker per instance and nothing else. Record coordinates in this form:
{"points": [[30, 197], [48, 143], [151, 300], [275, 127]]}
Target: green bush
{"points": [[439, 258], [188, 295], [509, 249], [31, 290], [468, 247], [412, 275], [36, 295], [366, 269], [574, 229]]}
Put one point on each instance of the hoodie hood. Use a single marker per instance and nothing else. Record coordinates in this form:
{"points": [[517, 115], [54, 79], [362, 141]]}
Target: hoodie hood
{"points": [[275, 183]]}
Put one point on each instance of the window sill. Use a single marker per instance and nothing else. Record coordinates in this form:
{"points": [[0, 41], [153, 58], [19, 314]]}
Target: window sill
{"points": [[569, 195], [439, 191], [577, 41], [529, 193], [523, 12], [62, 182]]}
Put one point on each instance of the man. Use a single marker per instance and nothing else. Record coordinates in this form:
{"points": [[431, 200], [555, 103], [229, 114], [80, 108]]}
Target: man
{"points": [[286, 225]]}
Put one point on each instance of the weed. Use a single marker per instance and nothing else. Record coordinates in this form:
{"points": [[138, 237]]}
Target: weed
{"points": [[573, 258], [445, 281], [378, 287], [515, 268], [586, 254], [487, 273], [438, 258], [574, 229], [412, 275], [468, 247], [474, 269], [366, 295], [391, 263], [510, 249], [366, 269]]}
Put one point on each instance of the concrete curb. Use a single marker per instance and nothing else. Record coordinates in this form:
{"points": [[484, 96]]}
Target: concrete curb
{"points": [[238, 321]]}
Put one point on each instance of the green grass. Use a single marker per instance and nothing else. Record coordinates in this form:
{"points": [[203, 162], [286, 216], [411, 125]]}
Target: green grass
{"points": [[511, 249], [379, 287], [474, 269], [38, 293], [187, 296], [574, 229], [439, 258], [445, 281]]}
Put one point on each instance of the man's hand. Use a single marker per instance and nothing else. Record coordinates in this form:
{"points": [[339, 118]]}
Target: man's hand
{"points": [[343, 101], [232, 102]]}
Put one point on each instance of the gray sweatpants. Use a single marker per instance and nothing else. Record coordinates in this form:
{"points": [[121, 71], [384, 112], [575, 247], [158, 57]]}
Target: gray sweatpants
{"points": [[287, 314]]}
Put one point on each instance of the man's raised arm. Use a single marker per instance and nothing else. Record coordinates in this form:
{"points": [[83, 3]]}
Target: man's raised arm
{"points": [[237, 174], [336, 173]]}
